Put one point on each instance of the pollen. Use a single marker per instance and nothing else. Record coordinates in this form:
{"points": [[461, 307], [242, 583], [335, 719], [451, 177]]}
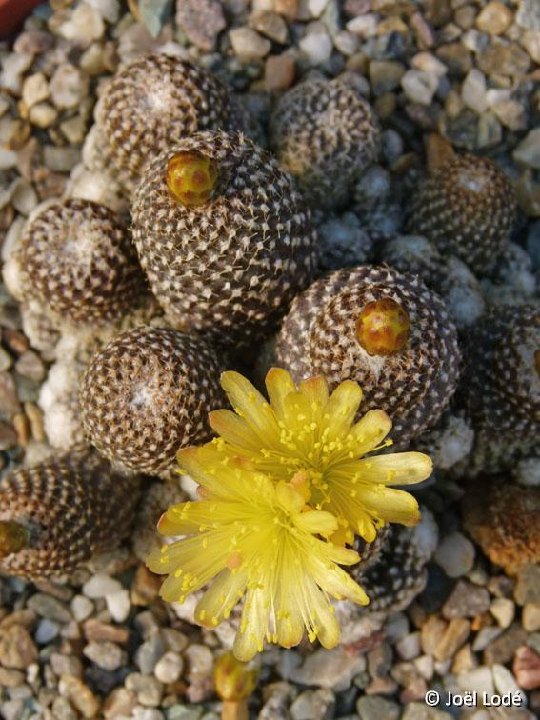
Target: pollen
{"points": [[191, 178], [383, 327]]}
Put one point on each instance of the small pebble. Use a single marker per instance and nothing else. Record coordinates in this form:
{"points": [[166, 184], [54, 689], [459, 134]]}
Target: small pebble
{"points": [[35, 89], [46, 631], [148, 690], [81, 607], [317, 46], [68, 86], [84, 25], [106, 655], [494, 18], [101, 585], [528, 151], [503, 610], [419, 86], [526, 668], [248, 44], [531, 617], [313, 705], [80, 695], [169, 667], [455, 555], [119, 605]]}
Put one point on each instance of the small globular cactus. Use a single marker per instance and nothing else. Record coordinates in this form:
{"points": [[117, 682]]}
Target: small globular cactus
{"points": [[467, 208], [397, 570], [324, 132], [147, 394], [223, 236], [386, 331], [503, 384], [56, 515], [77, 260], [152, 104]]}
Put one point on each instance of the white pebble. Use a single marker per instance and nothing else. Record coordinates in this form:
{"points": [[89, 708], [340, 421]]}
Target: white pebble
{"points": [[455, 555], [503, 610], [68, 86], [473, 91], [8, 159], [83, 26], [364, 25], [504, 681], [35, 89], [419, 86], [428, 63], [408, 647], [169, 667], [317, 46], [81, 607], [24, 198], [119, 605], [316, 7], [101, 585], [108, 9]]}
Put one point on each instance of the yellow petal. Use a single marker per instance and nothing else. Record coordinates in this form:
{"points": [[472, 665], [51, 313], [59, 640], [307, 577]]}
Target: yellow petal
{"points": [[341, 409], [234, 429], [317, 522], [249, 639], [290, 499], [324, 623], [218, 601], [404, 468], [279, 384], [316, 391], [250, 405], [288, 619], [370, 431], [335, 581], [391, 505]]}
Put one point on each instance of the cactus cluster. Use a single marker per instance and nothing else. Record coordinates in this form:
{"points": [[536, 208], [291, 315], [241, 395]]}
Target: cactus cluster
{"points": [[217, 256]]}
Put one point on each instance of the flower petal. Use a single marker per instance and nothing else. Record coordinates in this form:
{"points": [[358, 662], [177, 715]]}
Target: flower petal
{"points": [[391, 505], [369, 431], [249, 639], [335, 581], [218, 601], [341, 409], [316, 522], [316, 391], [250, 405], [234, 430], [404, 468], [279, 384]]}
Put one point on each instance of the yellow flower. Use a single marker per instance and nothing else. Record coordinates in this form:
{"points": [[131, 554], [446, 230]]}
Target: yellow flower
{"points": [[255, 538], [307, 436]]}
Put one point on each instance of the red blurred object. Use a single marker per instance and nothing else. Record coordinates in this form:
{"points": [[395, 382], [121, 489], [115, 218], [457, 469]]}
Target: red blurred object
{"points": [[13, 13]]}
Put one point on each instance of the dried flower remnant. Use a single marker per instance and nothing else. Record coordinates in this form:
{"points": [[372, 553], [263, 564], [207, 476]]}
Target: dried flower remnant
{"points": [[383, 327], [234, 682], [283, 490], [191, 178]]}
